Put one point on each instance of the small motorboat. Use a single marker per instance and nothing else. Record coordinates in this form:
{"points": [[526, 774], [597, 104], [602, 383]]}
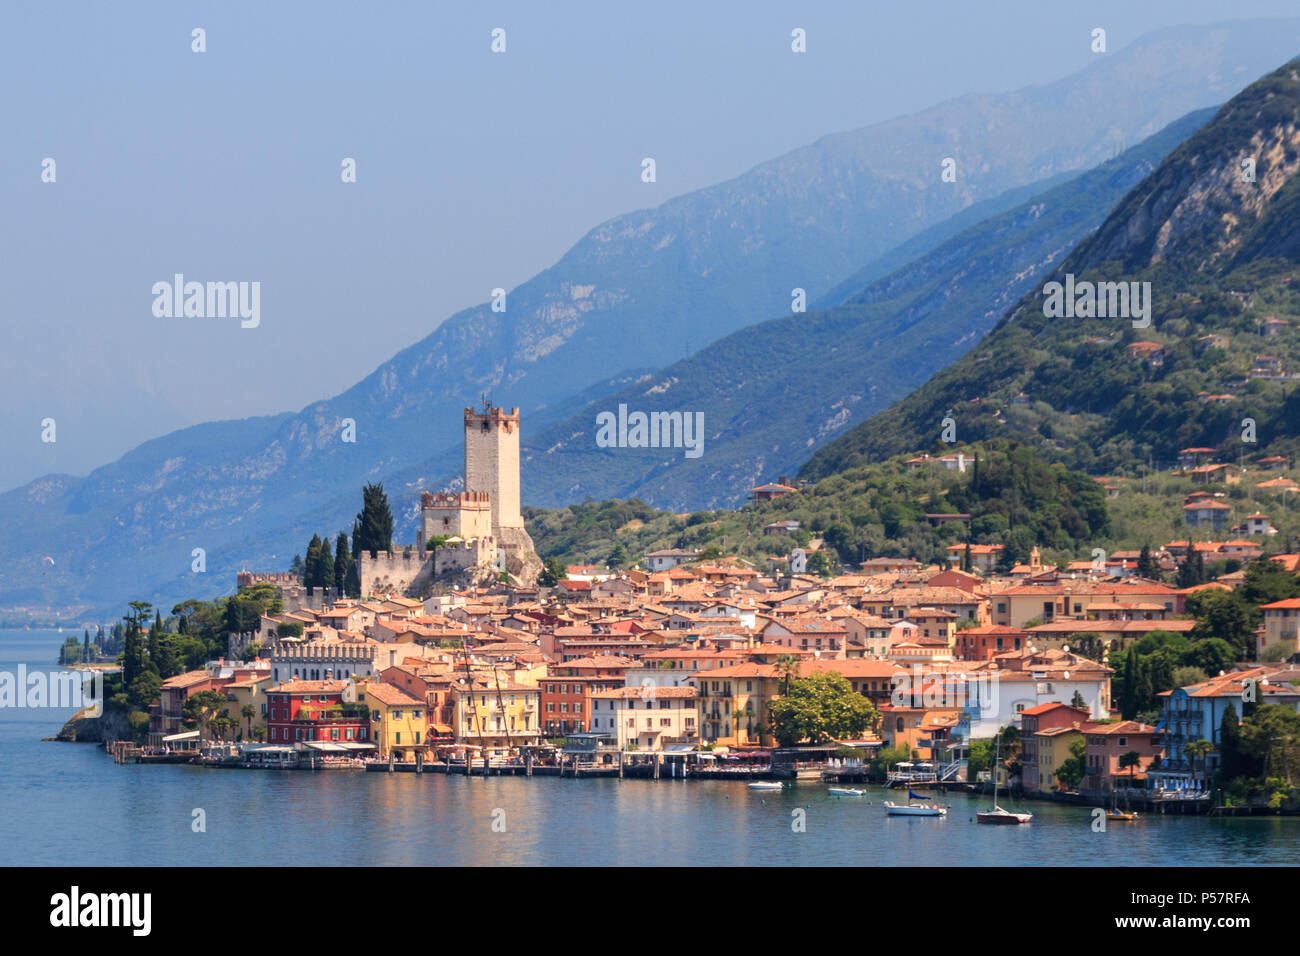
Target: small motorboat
{"points": [[998, 815], [766, 785], [915, 809], [1120, 815], [847, 792]]}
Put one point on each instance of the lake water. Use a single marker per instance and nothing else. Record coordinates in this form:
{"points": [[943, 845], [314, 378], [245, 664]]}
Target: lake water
{"points": [[69, 804]]}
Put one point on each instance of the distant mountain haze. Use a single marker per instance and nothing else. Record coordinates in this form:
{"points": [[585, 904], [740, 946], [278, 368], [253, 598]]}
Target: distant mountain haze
{"points": [[639, 291], [774, 392]]}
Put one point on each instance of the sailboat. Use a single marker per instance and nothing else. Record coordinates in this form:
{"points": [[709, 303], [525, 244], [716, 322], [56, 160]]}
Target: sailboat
{"points": [[914, 809], [997, 814], [1115, 813]]}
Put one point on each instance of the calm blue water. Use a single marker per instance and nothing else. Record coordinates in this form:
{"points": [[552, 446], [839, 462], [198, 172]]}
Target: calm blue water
{"points": [[69, 804]]}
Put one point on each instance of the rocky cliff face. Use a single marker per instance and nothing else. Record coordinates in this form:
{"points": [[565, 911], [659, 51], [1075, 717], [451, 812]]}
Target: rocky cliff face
{"points": [[1214, 234], [82, 728]]}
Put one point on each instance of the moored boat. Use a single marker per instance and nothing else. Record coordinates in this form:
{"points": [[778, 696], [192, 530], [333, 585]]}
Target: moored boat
{"points": [[847, 792], [766, 785], [997, 814], [914, 809]]}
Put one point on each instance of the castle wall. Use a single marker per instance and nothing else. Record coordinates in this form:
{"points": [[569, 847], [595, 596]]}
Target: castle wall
{"points": [[289, 588], [401, 573], [479, 553]]}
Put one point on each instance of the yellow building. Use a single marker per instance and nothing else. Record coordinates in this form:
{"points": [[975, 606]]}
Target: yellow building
{"points": [[923, 731], [732, 704], [1014, 606], [398, 721], [247, 690], [1053, 750], [501, 715]]}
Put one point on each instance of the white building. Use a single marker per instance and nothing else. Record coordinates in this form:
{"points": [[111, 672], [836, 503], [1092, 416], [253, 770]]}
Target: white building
{"points": [[645, 718]]}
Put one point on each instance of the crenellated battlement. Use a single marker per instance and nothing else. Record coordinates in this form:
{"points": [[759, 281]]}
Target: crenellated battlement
{"points": [[509, 420], [470, 500], [246, 579]]}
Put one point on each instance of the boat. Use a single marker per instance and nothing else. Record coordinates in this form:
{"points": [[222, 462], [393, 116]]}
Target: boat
{"points": [[997, 814], [914, 809], [847, 792], [766, 785], [1115, 813]]}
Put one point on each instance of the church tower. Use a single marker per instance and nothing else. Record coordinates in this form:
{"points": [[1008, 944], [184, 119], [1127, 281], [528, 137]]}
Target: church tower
{"points": [[492, 462]]}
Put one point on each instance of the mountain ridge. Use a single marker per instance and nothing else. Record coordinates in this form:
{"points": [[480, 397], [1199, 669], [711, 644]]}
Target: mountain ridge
{"points": [[1220, 252], [638, 290]]}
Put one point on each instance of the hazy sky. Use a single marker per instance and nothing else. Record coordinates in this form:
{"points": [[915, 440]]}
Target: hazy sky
{"points": [[474, 169]]}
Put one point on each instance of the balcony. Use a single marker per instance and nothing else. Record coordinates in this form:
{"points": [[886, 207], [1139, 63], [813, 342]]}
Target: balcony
{"points": [[330, 716]]}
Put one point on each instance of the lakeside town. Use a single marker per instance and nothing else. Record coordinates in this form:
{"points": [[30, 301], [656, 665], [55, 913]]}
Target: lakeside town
{"points": [[1089, 679]]}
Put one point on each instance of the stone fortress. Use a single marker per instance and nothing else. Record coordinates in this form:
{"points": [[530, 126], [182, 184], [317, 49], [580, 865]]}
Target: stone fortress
{"points": [[482, 524]]}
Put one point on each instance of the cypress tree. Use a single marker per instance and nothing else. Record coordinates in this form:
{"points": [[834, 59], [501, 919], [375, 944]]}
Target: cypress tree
{"points": [[326, 566], [342, 561], [1231, 764], [155, 642], [376, 520], [85, 646], [1146, 567], [134, 655], [311, 566], [1128, 688], [1144, 692], [356, 542]]}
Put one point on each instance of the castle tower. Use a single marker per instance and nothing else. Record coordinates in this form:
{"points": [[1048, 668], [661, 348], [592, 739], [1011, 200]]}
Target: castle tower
{"points": [[492, 462], [465, 515]]}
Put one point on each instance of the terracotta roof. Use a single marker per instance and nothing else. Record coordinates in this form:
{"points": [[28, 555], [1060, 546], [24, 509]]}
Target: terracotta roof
{"points": [[310, 687], [391, 695], [656, 693]]}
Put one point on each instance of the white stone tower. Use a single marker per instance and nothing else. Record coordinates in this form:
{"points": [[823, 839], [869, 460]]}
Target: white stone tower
{"points": [[492, 462], [492, 468]]}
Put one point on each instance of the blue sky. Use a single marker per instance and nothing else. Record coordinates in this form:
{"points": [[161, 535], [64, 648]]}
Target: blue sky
{"points": [[475, 170]]}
